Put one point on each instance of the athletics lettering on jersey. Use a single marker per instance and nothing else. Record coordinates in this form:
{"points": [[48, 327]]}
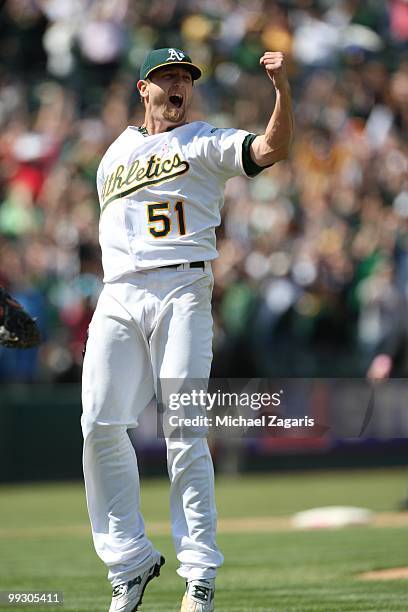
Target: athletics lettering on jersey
{"points": [[122, 182]]}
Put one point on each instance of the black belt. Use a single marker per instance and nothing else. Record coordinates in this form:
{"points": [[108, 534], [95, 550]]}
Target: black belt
{"points": [[192, 264]]}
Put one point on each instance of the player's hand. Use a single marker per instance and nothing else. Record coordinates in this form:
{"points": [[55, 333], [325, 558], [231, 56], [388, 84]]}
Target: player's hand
{"points": [[275, 66], [380, 368]]}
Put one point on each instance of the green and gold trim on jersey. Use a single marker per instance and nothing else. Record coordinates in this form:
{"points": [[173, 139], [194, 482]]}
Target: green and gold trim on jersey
{"points": [[124, 181]]}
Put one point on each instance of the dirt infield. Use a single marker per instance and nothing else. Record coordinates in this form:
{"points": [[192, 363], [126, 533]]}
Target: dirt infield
{"points": [[262, 524], [283, 523], [390, 519], [393, 573]]}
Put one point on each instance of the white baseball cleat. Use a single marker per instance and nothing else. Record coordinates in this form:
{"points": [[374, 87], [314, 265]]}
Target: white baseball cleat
{"points": [[199, 596], [127, 597]]}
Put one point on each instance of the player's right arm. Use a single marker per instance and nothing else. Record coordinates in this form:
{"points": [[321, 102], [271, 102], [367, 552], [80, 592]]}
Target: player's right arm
{"points": [[274, 144]]}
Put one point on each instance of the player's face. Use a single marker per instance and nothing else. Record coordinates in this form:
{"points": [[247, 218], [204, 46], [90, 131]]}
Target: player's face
{"points": [[170, 90]]}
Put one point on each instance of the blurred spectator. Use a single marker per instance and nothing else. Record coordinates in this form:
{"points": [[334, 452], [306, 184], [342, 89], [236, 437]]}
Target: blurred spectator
{"points": [[313, 263]]}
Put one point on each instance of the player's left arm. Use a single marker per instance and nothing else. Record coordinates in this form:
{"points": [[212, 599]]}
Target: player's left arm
{"points": [[274, 144]]}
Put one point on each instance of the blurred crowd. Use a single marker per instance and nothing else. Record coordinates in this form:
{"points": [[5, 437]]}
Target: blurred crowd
{"points": [[312, 278]]}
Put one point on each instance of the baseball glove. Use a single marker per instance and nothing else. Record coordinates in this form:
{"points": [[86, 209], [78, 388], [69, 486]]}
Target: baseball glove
{"points": [[17, 328]]}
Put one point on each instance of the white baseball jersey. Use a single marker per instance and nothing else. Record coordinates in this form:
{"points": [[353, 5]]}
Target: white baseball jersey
{"points": [[161, 195]]}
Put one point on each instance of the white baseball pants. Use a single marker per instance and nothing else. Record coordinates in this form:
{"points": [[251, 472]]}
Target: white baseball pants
{"points": [[149, 325]]}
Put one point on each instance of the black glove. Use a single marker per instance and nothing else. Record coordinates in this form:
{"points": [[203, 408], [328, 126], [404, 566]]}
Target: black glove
{"points": [[17, 328]]}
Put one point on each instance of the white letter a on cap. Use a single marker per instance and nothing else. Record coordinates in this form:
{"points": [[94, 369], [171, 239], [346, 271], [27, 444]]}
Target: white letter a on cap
{"points": [[175, 55]]}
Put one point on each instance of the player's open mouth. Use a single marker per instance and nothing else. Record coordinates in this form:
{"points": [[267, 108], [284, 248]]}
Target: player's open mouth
{"points": [[176, 100]]}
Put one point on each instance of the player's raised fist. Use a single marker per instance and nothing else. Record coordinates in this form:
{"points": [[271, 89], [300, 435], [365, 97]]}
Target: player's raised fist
{"points": [[275, 65]]}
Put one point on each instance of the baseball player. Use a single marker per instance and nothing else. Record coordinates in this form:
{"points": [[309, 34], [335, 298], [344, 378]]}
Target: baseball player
{"points": [[161, 190]]}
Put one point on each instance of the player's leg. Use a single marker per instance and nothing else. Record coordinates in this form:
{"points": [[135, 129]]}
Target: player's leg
{"points": [[117, 384], [181, 349]]}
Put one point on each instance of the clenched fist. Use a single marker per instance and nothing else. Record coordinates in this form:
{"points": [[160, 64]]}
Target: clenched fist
{"points": [[275, 66]]}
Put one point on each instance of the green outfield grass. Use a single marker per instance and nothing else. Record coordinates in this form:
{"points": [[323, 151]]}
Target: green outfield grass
{"points": [[45, 544]]}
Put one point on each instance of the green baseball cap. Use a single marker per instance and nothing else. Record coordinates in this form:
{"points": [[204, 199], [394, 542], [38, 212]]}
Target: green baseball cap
{"points": [[163, 57]]}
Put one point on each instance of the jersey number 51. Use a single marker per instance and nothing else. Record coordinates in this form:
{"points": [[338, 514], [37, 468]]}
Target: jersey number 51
{"points": [[159, 216]]}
